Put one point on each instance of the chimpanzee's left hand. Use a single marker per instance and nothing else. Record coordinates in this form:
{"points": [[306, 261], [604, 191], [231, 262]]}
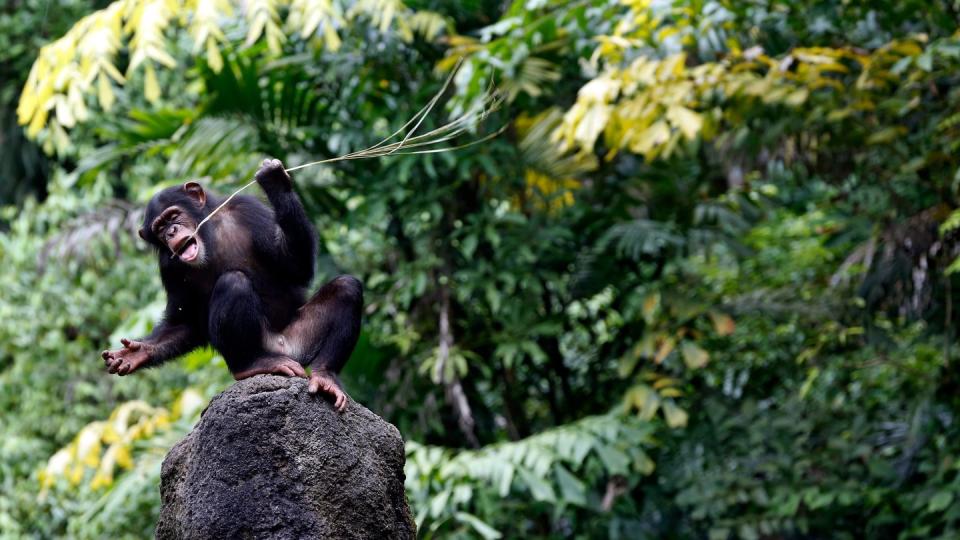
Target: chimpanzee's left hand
{"points": [[272, 175], [133, 356]]}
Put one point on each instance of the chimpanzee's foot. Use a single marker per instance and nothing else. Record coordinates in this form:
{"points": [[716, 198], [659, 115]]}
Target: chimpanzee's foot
{"points": [[276, 365], [321, 381]]}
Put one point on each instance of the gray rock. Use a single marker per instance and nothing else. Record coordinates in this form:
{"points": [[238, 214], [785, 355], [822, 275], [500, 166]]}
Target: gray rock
{"points": [[269, 460]]}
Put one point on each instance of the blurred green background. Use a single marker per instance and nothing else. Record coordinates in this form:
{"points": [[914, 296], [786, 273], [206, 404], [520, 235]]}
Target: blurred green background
{"points": [[700, 287]]}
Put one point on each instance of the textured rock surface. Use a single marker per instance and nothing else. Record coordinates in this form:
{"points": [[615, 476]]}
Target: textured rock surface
{"points": [[269, 460]]}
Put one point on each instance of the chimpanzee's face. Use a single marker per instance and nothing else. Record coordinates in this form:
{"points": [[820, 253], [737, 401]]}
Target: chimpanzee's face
{"points": [[174, 228], [171, 222]]}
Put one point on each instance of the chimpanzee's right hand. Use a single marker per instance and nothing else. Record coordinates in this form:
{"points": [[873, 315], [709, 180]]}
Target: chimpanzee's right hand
{"points": [[133, 356], [272, 176]]}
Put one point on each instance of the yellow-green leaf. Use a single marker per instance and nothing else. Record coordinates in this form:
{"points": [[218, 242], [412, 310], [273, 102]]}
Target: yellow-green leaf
{"points": [[722, 323], [808, 383], [686, 120], [693, 355], [214, 59], [331, 39], [650, 305], [797, 97], [666, 347], [665, 382], [674, 415], [886, 135], [648, 139], [670, 392], [151, 88], [644, 399], [105, 93]]}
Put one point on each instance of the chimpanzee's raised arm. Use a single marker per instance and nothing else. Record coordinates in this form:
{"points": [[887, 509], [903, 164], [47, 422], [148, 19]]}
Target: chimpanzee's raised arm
{"points": [[298, 244]]}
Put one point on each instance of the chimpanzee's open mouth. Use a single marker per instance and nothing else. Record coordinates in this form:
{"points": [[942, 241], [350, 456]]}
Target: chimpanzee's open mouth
{"points": [[189, 250]]}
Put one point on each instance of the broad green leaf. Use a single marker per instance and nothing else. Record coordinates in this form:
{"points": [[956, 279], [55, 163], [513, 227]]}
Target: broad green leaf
{"points": [[438, 504], [886, 135], [940, 501], [483, 529], [571, 488], [539, 488], [954, 267], [615, 461], [506, 479]]}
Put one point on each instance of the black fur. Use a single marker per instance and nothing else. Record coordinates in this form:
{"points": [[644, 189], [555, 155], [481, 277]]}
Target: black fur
{"points": [[257, 264]]}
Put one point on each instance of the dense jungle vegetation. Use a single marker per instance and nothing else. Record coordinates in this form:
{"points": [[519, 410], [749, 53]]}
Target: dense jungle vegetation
{"points": [[700, 287]]}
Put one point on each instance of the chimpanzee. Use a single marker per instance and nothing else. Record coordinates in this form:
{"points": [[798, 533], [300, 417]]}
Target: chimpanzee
{"points": [[240, 285]]}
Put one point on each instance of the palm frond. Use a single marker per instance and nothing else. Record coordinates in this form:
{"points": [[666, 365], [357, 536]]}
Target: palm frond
{"points": [[111, 222], [542, 155], [218, 147], [532, 76], [642, 237], [428, 24]]}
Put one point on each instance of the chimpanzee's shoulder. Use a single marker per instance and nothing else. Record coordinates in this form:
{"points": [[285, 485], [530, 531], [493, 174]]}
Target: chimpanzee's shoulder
{"points": [[248, 205]]}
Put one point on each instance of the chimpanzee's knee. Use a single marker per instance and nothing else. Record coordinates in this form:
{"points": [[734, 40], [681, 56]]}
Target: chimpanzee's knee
{"points": [[231, 283], [349, 289]]}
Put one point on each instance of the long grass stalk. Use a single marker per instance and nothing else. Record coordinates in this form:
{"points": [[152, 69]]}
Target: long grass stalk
{"points": [[410, 144]]}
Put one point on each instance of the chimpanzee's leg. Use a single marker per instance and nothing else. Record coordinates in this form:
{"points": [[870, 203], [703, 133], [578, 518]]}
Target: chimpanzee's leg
{"points": [[236, 328], [324, 333]]}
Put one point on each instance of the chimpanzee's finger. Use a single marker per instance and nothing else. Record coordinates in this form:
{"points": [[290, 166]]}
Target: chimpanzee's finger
{"points": [[125, 341], [314, 385], [341, 403]]}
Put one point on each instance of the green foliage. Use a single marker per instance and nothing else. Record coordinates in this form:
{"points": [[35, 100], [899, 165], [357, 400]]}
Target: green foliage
{"points": [[702, 286], [87, 465], [24, 28], [564, 472], [87, 60], [67, 265]]}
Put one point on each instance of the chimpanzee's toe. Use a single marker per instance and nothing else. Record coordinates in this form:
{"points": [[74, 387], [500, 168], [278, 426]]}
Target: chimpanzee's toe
{"points": [[321, 382]]}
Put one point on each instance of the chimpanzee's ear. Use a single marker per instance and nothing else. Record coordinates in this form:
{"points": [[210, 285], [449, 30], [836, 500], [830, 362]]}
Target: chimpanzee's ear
{"points": [[140, 232], [195, 191]]}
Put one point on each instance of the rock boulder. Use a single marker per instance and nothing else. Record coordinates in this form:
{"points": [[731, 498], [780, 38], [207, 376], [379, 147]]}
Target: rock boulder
{"points": [[269, 460]]}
